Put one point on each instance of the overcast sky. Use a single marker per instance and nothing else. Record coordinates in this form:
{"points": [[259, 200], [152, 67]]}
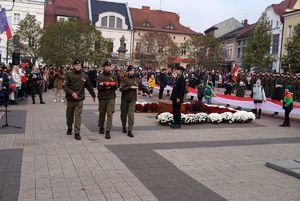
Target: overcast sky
{"points": [[202, 14]]}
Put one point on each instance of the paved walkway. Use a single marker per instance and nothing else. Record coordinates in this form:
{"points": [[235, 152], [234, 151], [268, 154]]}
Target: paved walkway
{"points": [[203, 162]]}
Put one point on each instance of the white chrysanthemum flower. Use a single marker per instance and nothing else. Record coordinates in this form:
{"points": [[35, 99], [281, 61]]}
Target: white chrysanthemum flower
{"points": [[201, 117], [214, 118], [227, 117]]}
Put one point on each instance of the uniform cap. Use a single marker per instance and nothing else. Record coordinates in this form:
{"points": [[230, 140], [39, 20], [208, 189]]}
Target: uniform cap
{"points": [[106, 63], [76, 61], [130, 68]]}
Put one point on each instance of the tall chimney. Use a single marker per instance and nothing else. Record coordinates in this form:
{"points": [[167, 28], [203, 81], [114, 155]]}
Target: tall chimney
{"points": [[146, 7], [245, 22]]}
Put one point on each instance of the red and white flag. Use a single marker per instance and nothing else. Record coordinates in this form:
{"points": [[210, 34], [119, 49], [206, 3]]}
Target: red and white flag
{"points": [[235, 71]]}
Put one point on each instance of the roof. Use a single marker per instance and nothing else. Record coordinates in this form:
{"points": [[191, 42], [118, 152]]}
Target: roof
{"points": [[99, 7], [246, 31], [69, 8], [230, 35], [215, 27], [158, 20], [280, 8]]}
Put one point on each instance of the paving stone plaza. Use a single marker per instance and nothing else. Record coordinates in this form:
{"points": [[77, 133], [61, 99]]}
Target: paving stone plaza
{"points": [[207, 162]]}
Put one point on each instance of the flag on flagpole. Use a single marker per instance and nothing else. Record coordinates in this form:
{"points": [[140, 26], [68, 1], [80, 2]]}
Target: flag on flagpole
{"points": [[235, 72], [4, 26]]}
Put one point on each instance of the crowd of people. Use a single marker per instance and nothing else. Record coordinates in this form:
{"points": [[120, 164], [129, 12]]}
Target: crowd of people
{"points": [[17, 82]]}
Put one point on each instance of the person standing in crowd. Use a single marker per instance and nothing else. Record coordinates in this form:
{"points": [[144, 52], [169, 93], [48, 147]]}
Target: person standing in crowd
{"points": [[193, 83], [162, 83], [151, 84], [36, 80], [107, 86], [209, 93], [93, 76], [17, 80], [75, 83], [287, 105], [259, 96], [240, 89], [58, 85], [177, 97], [200, 91], [129, 87]]}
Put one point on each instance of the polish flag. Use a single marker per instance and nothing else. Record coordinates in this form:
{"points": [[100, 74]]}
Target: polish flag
{"points": [[235, 72]]}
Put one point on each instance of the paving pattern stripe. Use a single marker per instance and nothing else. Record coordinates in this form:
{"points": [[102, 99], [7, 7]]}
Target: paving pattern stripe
{"points": [[165, 180]]}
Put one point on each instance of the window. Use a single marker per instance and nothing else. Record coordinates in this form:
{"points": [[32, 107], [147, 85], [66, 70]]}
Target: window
{"points": [[183, 50], [138, 47], [31, 42], [119, 23], [17, 17], [161, 49], [275, 45], [272, 24], [239, 52], [149, 49], [290, 31], [146, 24], [111, 22], [277, 24], [170, 26], [104, 21]]}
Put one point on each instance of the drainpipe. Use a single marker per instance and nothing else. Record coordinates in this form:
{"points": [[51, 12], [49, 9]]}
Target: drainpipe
{"points": [[90, 10], [280, 55]]}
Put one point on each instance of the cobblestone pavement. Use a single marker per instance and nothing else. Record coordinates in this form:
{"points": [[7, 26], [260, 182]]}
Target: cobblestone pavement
{"points": [[204, 162]]}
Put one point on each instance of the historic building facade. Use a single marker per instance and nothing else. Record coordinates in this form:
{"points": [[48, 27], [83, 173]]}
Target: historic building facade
{"points": [[19, 12], [145, 20], [114, 22]]}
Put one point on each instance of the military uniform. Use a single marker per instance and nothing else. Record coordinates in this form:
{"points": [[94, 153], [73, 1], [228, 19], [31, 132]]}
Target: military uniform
{"points": [[128, 100], [76, 81], [106, 97]]}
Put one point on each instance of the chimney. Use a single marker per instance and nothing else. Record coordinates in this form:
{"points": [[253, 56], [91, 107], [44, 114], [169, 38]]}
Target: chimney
{"points": [[245, 22], [145, 8]]}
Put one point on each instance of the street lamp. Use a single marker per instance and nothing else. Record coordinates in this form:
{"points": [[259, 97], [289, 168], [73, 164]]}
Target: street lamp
{"points": [[1, 8]]}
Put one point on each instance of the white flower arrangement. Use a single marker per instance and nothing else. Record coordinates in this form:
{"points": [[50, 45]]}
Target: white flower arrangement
{"points": [[141, 103], [227, 117], [201, 117], [165, 118], [237, 117], [243, 116], [214, 118], [189, 119]]}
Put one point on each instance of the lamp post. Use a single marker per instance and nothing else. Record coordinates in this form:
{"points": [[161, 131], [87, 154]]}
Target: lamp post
{"points": [[8, 9]]}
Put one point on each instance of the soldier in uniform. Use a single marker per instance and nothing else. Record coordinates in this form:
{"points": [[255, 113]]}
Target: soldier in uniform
{"points": [[129, 86], [107, 86], [74, 84]]}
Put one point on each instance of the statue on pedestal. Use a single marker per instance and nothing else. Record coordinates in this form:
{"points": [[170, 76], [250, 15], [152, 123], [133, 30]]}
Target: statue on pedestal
{"points": [[122, 49]]}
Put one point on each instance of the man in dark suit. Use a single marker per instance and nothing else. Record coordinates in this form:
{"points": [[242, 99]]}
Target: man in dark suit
{"points": [[177, 97], [162, 83]]}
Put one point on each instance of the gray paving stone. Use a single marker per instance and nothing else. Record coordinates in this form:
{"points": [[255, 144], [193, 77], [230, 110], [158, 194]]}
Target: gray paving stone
{"points": [[10, 174], [15, 118]]}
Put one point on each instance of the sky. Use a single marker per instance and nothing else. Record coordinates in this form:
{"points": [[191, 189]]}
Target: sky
{"points": [[200, 15]]}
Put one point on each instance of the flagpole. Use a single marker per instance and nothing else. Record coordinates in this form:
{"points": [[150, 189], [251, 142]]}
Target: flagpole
{"points": [[7, 43]]}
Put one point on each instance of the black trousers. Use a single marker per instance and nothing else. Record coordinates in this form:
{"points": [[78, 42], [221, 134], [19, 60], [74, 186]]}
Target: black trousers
{"points": [[161, 92], [176, 112], [287, 117]]}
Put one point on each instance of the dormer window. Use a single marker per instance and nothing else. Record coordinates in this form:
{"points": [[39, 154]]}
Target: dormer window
{"points": [[146, 24], [170, 26]]}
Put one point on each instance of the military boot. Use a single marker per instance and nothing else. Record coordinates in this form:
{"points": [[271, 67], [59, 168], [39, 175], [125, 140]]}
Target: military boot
{"points": [[101, 130], [124, 129], [77, 136], [130, 134], [69, 131], [107, 135], [259, 113]]}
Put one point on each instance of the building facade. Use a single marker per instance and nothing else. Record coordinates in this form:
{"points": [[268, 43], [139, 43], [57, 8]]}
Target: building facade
{"points": [[145, 20], [56, 10], [114, 22], [274, 14], [19, 12]]}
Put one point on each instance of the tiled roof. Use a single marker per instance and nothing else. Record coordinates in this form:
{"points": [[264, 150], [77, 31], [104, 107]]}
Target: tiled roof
{"points": [[157, 20], [98, 7], [69, 8], [280, 8], [246, 31]]}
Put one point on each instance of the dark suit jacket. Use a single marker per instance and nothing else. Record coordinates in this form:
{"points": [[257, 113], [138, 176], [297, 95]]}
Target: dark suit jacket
{"points": [[178, 89]]}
